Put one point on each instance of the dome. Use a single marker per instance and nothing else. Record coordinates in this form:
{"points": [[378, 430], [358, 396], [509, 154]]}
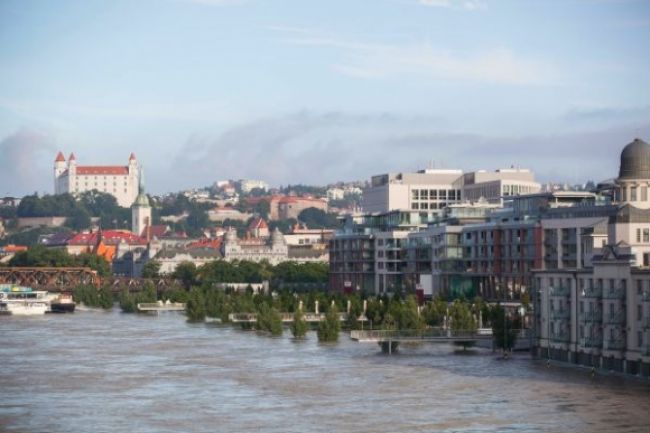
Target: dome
{"points": [[635, 160], [141, 200]]}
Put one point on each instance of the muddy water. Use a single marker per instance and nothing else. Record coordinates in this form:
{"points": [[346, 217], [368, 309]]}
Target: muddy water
{"points": [[110, 372]]}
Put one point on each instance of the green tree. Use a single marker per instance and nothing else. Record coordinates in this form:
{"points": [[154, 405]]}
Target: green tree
{"points": [[434, 312], [186, 273], [504, 330], [409, 317], [195, 307], [316, 218], [299, 326], [127, 301], [328, 329], [151, 269]]}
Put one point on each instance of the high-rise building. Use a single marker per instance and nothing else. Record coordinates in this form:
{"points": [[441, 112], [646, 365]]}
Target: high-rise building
{"points": [[119, 181]]}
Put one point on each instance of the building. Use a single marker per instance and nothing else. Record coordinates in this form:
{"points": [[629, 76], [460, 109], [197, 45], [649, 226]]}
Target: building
{"points": [[247, 185], [141, 211], [119, 181], [592, 304], [272, 249], [289, 207], [432, 190]]}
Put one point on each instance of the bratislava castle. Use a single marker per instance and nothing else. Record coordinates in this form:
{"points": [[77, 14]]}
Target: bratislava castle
{"points": [[120, 181]]}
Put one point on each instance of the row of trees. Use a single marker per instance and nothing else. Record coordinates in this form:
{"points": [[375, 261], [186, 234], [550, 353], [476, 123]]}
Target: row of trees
{"points": [[49, 257], [221, 271]]}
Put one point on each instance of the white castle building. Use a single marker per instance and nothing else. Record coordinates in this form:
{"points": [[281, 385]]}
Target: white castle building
{"points": [[119, 181]]}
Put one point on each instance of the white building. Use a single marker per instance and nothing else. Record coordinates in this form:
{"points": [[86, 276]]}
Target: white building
{"points": [[247, 185], [119, 181], [274, 250], [431, 190]]}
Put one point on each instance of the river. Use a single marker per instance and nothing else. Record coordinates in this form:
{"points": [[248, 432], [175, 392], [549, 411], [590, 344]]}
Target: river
{"points": [[113, 372]]}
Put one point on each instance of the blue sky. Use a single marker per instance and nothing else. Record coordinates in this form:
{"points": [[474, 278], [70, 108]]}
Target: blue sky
{"points": [[319, 91]]}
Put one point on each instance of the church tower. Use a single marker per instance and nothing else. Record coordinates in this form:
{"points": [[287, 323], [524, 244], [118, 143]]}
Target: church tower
{"points": [[141, 210]]}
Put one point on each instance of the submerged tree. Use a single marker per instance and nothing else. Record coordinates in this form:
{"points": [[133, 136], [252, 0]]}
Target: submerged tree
{"points": [[299, 326], [328, 329]]}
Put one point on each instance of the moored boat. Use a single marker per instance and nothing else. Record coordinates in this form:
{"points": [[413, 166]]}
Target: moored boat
{"points": [[23, 301]]}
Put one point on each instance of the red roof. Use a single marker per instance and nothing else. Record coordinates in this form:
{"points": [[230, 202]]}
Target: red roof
{"points": [[72, 157], [206, 243], [59, 157], [109, 237], [155, 230], [102, 169]]}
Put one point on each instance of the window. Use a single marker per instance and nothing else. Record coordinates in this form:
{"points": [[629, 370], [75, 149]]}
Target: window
{"points": [[424, 206], [433, 194], [424, 194], [633, 193], [644, 193], [451, 194], [415, 206], [639, 312], [638, 236], [442, 194], [639, 287], [414, 195], [646, 236], [639, 338]]}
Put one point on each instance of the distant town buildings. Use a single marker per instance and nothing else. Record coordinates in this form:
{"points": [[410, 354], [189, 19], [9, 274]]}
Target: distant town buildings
{"points": [[248, 185], [119, 181]]}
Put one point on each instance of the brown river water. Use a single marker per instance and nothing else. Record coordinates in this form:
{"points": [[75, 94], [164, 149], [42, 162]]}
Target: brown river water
{"points": [[113, 372]]}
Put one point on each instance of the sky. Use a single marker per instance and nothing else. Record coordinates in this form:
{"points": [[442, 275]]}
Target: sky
{"points": [[307, 91]]}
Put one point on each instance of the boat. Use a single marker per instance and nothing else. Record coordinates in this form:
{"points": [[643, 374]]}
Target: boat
{"points": [[62, 303], [23, 301]]}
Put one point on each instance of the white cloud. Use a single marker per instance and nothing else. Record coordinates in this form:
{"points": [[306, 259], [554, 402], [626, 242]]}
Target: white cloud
{"points": [[362, 59], [468, 5]]}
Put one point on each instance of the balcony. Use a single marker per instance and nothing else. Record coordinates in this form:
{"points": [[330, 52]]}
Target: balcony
{"points": [[595, 316], [615, 344], [645, 350], [561, 291], [646, 296], [617, 318], [616, 294], [592, 342], [593, 292], [560, 314]]}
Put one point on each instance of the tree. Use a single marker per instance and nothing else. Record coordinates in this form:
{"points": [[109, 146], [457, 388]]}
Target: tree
{"points": [[328, 329], [434, 312], [151, 269], [316, 218], [127, 302], [195, 307], [299, 326], [504, 331], [409, 317], [186, 273]]}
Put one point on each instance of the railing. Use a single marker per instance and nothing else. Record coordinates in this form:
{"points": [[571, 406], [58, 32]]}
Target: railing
{"points": [[594, 292], [160, 306], [424, 334], [615, 344], [617, 318], [594, 316], [645, 297], [591, 342], [645, 350], [618, 294], [561, 291], [560, 314]]}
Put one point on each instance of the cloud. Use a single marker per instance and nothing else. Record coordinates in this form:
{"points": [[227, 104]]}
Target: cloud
{"points": [[468, 5], [362, 59], [318, 148], [23, 168]]}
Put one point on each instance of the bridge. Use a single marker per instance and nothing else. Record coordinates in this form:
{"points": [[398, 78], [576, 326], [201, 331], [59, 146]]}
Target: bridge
{"points": [[288, 317], [160, 306], [438, 335], [49, 278]]}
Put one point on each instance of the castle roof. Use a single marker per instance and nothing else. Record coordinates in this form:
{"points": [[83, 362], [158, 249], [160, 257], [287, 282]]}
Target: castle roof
{"points": [[258, 223], [132, 157], [59, 157], [72, 157]]}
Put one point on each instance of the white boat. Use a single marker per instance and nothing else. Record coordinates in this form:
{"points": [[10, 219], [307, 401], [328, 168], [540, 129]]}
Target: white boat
{"points": [[23, 301]]}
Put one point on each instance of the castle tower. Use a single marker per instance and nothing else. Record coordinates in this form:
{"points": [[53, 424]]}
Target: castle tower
{"points": [[141, 209], [59, 169]]}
